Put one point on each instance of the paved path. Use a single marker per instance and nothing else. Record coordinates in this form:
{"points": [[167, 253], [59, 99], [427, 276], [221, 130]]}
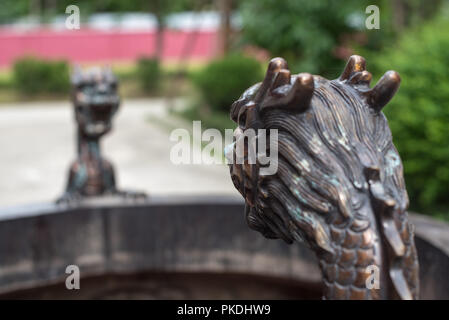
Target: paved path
{"points": [[37, 144]]}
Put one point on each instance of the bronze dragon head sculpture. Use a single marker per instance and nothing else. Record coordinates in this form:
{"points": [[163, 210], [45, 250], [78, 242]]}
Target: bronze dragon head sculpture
{"points": [[339, 184], [95, 101]]}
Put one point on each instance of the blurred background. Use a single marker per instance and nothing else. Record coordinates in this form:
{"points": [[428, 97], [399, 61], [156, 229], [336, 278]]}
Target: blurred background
{"points": [[184, 60]]}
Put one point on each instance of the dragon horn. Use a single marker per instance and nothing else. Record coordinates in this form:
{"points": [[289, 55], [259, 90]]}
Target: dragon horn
{"points": [[302, 91], [275, 65], [363, 77], [384, 90], [297, 96], [282, 78], [355, 64]]}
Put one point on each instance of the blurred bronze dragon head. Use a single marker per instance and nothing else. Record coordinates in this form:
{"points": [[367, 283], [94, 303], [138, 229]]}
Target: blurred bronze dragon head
{"points": [[339, 184], [95, 99]]}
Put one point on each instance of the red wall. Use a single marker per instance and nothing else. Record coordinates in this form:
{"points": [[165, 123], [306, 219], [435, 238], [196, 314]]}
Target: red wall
{"points": [[104, 46]]}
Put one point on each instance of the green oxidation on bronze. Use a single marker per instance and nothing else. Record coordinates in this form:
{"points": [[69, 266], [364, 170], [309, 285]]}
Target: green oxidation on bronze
{"points": [[95, 101], [339, 186], [392, 162]]}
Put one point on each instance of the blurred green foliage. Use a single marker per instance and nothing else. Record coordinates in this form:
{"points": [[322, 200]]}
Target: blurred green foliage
{"points": [[33, 76], [222, 81], [317, 36], [11, 9], [419, 114], [149, 73], [301, 31]]}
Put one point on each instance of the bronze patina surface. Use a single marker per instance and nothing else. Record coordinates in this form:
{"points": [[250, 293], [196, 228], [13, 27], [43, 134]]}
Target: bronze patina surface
{"points": [[339, 186], [95, 100]]}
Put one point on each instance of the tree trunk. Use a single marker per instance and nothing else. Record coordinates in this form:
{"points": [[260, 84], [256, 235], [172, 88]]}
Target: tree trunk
{"points": [[35, 8], [158, 10], [159, 49], [225, 25], [398, 15]]}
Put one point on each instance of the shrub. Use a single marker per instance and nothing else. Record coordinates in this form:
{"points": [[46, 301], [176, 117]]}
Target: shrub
{"points": [[419, 114], [149, 73], [223, 81], [32, 76]]}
